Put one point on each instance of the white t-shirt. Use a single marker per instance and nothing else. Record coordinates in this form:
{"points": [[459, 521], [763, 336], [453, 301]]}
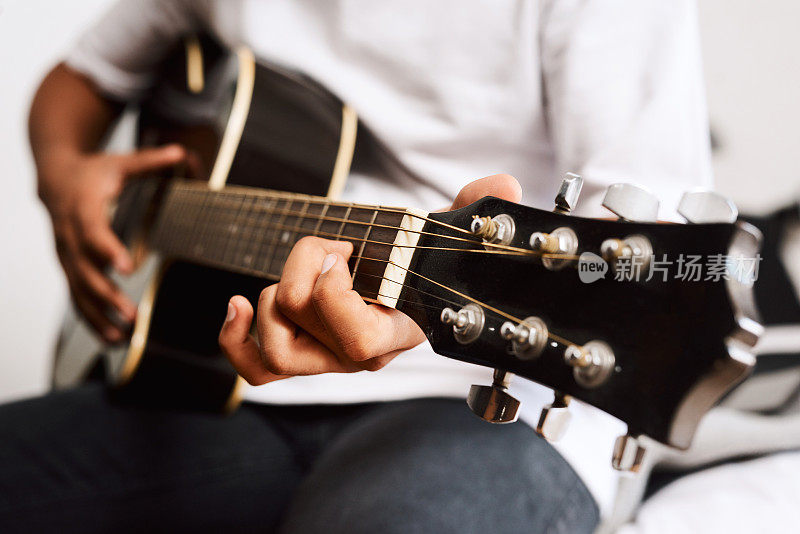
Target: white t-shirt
{"points": [[460, 89]]}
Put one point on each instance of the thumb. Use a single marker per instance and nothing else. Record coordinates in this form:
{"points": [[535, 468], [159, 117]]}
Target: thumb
{"points": [[498, 185], [237, 343], [151, 159]]}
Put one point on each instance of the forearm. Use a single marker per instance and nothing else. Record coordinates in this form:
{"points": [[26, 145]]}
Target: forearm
{"points": [[68, 118]]}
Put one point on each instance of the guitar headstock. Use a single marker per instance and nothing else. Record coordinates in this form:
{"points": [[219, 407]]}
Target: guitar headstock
{"points": [[650, 322]]}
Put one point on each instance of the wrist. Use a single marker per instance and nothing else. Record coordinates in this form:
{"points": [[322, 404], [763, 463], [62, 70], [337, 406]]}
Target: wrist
{"points": [[53, 168]]}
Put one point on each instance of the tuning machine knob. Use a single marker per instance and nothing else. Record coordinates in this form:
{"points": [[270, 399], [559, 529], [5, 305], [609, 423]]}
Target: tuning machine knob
{"points": [[592, 363], [467, 322], [498, 229], [568, 193], [557, 247], [634, 248], [528, 339], [631, 203], [555, 418], [701, 206], [628, 454], [493, 403]]}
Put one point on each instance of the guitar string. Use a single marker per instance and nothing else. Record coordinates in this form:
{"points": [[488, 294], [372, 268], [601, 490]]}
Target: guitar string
{"points": [[506, 315], [501, 313], [290, 199], [512, 251], [288, 213], [472, 299]]}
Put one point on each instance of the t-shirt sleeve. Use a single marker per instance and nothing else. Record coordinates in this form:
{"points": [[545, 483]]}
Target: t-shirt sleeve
{"points": [[120, 52], [625, 96]]}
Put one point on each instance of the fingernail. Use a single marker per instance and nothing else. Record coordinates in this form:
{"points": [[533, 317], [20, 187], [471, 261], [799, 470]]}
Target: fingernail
{"points": [[175, 151], [125, 315], [327, 263], [112, 335], [231, 313], [122, 265], [130, 313]]}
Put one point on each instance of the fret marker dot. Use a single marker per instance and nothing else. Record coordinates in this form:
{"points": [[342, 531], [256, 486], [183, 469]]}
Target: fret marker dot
{"points": [[248, 259], [285, 236]]}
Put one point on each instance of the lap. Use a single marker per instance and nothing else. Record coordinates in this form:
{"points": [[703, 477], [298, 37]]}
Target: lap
{"points": [[73, 461], [428, 465]]}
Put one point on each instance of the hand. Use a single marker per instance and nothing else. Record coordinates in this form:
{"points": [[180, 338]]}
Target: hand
{"points": [[79, 196], [313, 322]]}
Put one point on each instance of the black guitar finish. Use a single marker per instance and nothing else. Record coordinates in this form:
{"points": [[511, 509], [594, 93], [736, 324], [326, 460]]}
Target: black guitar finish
{"points": [[675, 342], [289, 143], [663, 334]]}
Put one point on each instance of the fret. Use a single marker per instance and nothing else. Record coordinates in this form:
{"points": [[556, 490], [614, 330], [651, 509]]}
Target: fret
{"points": [[261, 220], [255, 232], [312, 219], [204, 225], [363, 244], [298, 225], [187, 216], [215, 242], [282, 211], [225, 217], [288, 234], [283, 233], [175, 202], [375, 254], [249, 222], [233, 230], [323, 214], [168, 239], [362, 217], [344, 222], [330, 227], [265, 207]]}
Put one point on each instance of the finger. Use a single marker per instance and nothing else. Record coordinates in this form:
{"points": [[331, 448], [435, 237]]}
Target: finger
{"points": [[94, 313], [93, 309], [286, 349], [102, 289], [102, 244], [239, 346], [498, 185], [360, 331], [195, 168], [152, 159], [300, 273]]}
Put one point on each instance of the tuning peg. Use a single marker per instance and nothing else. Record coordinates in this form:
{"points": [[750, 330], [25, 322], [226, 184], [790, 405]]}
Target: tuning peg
{"points": [[628, 454], [702, 206], [528, 338], [497, 229], [555, 418], [568, 193], [493, 403], [467, 322], [631, 203], [592, 364]]}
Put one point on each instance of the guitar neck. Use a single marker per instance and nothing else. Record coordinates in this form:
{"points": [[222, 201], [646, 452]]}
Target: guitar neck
{"points": [[252, 231]]}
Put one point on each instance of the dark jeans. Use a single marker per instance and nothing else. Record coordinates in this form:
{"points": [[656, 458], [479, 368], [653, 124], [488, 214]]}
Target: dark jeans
{"points": [[77, 462]]}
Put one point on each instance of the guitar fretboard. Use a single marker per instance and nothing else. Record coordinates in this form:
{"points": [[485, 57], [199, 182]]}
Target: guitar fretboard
{"points": [[252, 231]]}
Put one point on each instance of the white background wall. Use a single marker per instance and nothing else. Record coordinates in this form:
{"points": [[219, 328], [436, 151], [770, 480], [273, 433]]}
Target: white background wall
{"points": [[753, 77], [752, 63]]}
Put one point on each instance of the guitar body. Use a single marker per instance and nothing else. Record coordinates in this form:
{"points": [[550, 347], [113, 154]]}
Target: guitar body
{"points": [[250, 125], [270, 151]]}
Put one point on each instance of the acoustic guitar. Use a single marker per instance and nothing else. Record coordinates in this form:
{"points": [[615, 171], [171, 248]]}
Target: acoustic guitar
{"points": [[540, 294]]}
